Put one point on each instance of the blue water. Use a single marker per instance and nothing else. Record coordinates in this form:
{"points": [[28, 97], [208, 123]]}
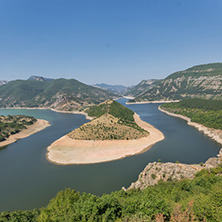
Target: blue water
{"points": [[29, 181]]}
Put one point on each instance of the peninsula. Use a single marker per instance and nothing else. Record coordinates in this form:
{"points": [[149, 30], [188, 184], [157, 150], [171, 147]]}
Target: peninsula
{"points": [[114, 133], [17, 127]]}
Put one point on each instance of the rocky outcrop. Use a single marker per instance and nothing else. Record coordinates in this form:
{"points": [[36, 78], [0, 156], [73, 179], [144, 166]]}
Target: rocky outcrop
{"points": [[204, 81], [156, 171]]}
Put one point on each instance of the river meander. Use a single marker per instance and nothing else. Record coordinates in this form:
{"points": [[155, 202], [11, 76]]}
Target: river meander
{"points": [[29, 181]]}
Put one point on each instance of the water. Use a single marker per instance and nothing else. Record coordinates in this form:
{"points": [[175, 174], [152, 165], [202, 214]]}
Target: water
{"points": [[28, 180]]}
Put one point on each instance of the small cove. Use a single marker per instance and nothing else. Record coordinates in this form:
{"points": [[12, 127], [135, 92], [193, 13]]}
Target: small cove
{"points": [[29, 181]]}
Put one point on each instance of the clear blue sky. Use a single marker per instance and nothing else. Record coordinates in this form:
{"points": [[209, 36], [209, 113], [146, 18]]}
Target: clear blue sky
{"points": [[111, 41]]}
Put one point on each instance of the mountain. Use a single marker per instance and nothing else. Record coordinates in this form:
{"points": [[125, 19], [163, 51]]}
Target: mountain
{"points": [[202, 81], [61, 94], [119, 89], [39, 78], [141, 87], [3, 82]]}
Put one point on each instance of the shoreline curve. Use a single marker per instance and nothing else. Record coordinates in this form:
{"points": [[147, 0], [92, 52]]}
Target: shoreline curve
{"points": [[214, 134], [39, 125], [154, 101], [66, 151]]}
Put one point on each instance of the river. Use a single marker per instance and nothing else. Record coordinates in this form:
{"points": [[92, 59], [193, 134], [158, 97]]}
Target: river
{"points": [[29, 181]]}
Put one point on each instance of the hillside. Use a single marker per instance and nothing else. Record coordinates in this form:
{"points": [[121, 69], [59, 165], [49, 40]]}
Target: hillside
{"points": [[10, 125], [113, 122], [3, 82], [61, 94], [202, 81], [198, 199], [205, 112], [119, 89], [141, 87]]}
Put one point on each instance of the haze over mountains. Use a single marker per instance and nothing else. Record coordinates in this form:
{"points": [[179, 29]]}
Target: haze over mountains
{"points": [[202, 81], [61, 94]]}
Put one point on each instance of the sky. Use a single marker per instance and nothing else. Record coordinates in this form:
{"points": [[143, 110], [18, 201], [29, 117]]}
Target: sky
{"points": [[110, 41]]}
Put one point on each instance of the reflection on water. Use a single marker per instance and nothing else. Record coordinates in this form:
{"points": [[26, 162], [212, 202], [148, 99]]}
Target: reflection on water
{"points": [[29, 181]]}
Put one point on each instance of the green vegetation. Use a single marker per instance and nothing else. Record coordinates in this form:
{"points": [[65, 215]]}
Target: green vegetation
{"points": [[203, 81], [205, 112], [185, 200], [115, 109], [10, 125], [113, 122], [65, 94]]}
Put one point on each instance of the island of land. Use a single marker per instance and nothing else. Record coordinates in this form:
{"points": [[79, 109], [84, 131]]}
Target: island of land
{"points": [[17, 127], [115, 132]]}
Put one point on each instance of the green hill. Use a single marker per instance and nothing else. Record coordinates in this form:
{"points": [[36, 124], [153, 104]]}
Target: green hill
{"points": [[10, 125], [113, 121], [205, 112], [62, 94], [202, 81], [198, 199]]}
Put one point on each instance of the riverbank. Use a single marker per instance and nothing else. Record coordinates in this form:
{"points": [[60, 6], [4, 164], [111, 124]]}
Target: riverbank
{"points": [[155, 101], [54, 110], [39, 125], [70, 151], [214, 134]]}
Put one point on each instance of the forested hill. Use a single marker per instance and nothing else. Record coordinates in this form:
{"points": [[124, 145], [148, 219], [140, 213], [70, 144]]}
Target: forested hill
{"points": [[113, 121], [205, 112], [198, 199], [61, 94], [202, 81]]}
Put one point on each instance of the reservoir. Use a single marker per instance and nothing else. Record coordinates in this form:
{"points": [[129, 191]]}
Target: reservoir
{"points": [[29, 181]]}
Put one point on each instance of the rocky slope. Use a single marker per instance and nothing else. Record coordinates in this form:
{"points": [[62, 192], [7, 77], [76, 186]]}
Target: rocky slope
{"points": [[140, 88], [3, 82], [60, 94], [156, 171], [203, 81], [119, 89]]}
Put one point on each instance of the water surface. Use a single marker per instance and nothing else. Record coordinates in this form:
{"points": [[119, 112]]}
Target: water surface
{"points": [[29, 181]]}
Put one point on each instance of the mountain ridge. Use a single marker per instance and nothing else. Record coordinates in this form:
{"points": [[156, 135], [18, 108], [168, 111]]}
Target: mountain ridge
{"points": [[61, 94], [201, 81]]}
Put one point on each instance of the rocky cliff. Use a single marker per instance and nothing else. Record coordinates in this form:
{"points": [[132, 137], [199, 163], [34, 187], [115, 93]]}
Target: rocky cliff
{"points": [[203, 81], [156, 171]]}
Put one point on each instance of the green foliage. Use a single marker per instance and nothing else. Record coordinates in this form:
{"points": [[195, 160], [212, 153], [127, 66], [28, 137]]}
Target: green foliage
{"points": [[117, 110], [199, 199], [29, 93], [189, 83], [10, 125], [205, 112]]}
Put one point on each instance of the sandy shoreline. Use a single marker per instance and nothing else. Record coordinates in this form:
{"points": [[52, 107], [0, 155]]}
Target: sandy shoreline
{"points": [[214, 134], [54, 110], [69, 151], [155, 101], [39, 125]]}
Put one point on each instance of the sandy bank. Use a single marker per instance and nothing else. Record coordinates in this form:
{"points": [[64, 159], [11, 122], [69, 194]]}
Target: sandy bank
{"points": [[54, 110], [39, 125], [74, 112], [156, 101], [214, 134], [69, 151]]}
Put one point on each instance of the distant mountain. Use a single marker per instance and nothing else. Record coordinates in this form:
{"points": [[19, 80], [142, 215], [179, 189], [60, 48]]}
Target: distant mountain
{"points": [[141, 87], [61, 94], [202, 81], [2, 82], [39, 78], [120, 89]]}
